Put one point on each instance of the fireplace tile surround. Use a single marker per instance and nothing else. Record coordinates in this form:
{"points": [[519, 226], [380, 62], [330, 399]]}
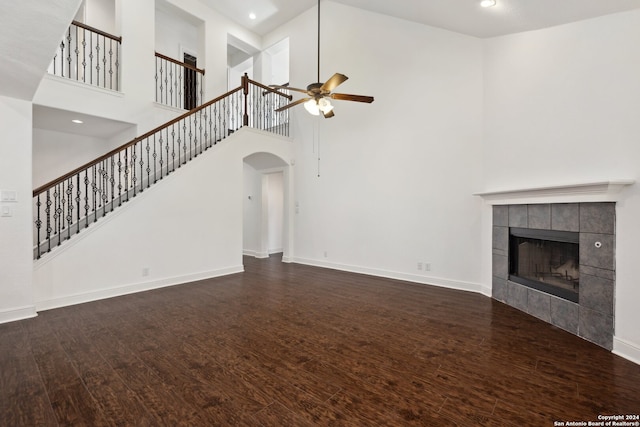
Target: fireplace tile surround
{"points": [[592, 318]]}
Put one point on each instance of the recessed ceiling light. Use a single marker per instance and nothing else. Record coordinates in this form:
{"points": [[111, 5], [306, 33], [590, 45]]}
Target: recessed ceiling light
{"points": [[77, 121], [488, 3], [252, 16]]}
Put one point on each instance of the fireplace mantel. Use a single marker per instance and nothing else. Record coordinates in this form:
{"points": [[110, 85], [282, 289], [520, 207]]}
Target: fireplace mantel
{"points": [[603, 191]]}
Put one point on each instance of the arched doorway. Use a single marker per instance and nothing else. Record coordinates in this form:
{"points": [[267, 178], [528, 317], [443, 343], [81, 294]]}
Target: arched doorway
{"points": [[265, 218]]}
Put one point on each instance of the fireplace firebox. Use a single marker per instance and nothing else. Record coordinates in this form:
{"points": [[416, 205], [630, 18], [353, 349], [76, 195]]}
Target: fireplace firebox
{"points": [[545, 260]]}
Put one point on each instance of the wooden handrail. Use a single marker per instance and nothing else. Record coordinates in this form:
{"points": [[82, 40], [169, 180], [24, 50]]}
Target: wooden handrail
{"points": [[134, 141], [175, 61], [97, 31]]}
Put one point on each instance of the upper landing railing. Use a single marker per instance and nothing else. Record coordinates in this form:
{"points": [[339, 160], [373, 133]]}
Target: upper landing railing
{"points": [[66, 205], [178, 84], [88, 55]]}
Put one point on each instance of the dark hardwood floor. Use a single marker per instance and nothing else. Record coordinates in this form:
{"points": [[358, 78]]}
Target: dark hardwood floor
{"points": [[292, 345]]}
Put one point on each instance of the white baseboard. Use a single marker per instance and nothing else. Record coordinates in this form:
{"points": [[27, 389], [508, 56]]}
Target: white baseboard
{"points": [[255, 254], [18, 313], [629, 351], [133, 288], [425, 280]]}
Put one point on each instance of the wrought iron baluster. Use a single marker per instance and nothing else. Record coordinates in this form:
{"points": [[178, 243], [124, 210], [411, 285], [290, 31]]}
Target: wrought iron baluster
{"points": [[57, 211], [68, 49], [216, 118], [112, 181], [180, 99], [156, 77], [126, 172], [141, 163], [224, 129], [171, 85], [118, 66], [155, 160], [120, 178], [205, 113], [105, 185], [91, 57], [84, 56], [166, 150], [201, 92], [104, 62], [38, 224], [173, 148], [193, 138], [110, 64], [86, 198], [77, 52], [98, 59], [184, 146], [134, 178], [69, 216], [49, 225], [94, 188], [78, 201]]}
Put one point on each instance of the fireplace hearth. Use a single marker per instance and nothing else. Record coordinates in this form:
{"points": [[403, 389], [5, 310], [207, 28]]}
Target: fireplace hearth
{"points": [[546, 260]]}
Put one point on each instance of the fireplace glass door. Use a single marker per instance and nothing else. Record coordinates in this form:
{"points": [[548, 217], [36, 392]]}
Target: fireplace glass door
{"points": [[545, 260]]}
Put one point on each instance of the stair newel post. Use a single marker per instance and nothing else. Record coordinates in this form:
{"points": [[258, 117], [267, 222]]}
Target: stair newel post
{"points": [[245, 91]]}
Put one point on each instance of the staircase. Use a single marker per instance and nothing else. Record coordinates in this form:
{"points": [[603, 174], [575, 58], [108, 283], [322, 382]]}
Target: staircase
{"points": [[74, 201]]}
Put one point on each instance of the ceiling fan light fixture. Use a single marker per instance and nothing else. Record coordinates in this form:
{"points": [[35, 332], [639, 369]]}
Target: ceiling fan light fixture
{"points": [[312, 107], [324, 105], [488, 3]]}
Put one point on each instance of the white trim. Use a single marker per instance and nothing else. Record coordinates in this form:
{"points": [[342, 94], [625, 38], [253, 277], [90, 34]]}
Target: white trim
{"points": [[18, 313], [134, 288], [424, 280], [82, 85], [629, 351], [177, 110], [255, 254], [603, 191]]}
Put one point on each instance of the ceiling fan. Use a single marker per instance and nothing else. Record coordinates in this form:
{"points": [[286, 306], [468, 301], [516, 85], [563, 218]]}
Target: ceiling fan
{"points": [[318, 94]]}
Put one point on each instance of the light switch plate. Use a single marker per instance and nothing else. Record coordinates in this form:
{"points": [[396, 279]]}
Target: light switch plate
{"points": [[5, 211], [8, 196]]}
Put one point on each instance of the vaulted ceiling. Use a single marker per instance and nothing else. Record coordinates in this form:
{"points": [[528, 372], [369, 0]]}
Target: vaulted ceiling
{"points": [[30, 30], [462, 16]]}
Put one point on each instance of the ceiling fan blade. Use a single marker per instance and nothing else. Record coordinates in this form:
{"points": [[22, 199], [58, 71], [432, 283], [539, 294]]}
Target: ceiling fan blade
{"points": [[347, 97], [295, 89], [328, 115], [336, 80], [292, 104]]}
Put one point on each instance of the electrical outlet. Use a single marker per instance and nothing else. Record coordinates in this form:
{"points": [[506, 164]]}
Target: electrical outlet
{"points": [[145, 271], [419, 266], [427, 266], [326, 254]]}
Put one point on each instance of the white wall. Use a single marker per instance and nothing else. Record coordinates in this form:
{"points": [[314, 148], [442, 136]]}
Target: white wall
{"points": [[252, 211], [275, 211], [176, 34], [56, 153], [101, 14], [16, 292], [564, 102], [181, 230], [213, 36], [396, 176]]}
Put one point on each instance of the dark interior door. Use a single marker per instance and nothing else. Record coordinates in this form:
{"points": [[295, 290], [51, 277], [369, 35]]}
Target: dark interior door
{"points": [[190, 83]]}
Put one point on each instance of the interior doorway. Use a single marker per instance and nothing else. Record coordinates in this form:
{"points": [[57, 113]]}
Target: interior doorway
{"points": [[240, 60], [190, 82], [265, 219]]}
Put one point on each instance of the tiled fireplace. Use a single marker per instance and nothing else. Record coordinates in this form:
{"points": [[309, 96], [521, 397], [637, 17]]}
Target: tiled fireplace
{"points": [[590, 313]]}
